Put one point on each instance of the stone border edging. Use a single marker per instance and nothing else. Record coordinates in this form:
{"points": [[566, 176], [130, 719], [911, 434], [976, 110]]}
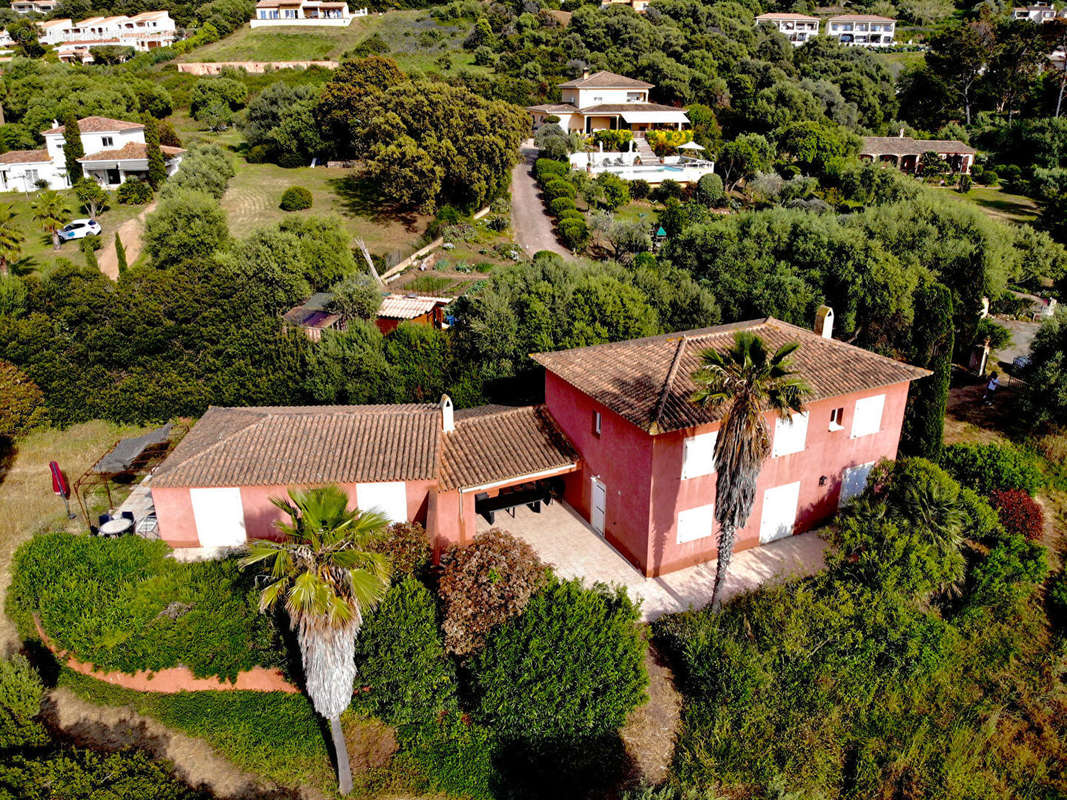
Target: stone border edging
{"points": [[174, 679]]}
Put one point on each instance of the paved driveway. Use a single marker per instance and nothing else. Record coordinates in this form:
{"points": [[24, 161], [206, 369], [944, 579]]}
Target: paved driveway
{"points": [[562, 538], [532, 227]]}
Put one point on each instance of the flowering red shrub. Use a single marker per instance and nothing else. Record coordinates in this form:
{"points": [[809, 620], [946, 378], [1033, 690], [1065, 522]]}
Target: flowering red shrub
{"points": [[1019, 512], [484, 584]]}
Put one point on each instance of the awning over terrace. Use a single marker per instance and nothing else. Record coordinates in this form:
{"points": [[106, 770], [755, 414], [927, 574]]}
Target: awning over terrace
{"points": [[656, 117], [126, 453]]}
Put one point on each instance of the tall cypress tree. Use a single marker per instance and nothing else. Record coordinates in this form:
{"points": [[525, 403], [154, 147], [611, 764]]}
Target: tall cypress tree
{"points": [[72, 148], [157, 167], [120, 253], [932, 344]]}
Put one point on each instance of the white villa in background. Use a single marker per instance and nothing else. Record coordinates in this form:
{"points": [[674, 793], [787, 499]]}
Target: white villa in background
{"points": [[797, 28], [303, 12], [862, 30], [637, 5], [34, 6], [114, 151], [72, 40], [606, 101], [1036, 13]]}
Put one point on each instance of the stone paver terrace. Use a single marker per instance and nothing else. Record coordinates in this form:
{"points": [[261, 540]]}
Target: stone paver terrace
{"points": [[566, 541]]}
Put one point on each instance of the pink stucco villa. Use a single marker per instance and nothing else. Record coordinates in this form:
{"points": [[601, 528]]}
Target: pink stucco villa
{"points": [[616, 438]]}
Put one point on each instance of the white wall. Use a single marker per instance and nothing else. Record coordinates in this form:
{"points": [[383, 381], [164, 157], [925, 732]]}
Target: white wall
{"points": [[596, 97]]}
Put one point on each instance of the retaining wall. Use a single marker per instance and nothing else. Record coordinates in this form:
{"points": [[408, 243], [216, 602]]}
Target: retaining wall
{"points": [[174, 679], [215, 67]]}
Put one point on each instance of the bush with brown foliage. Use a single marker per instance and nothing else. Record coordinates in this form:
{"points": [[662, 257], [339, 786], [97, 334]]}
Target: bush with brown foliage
{"points": [[1019, 512], [408, 547], [484, 584]]}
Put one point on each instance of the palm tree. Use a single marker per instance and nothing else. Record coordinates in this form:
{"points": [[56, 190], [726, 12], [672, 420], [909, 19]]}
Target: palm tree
{"points": [[11, 237], [328, 580], [748, 382], [50, 209]]}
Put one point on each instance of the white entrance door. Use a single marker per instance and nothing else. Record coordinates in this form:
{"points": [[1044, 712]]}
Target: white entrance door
{"points": [[779, 512], [853, 482], [598, 506], [219, 516]]}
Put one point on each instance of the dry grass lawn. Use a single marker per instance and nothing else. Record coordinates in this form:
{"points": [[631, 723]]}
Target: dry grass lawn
{"points": [[26, 489]]}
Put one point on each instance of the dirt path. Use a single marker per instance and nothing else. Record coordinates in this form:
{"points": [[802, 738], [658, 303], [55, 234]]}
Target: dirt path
{"points": [[130, 232], [532, 227], [112, 728], [650, 732]]}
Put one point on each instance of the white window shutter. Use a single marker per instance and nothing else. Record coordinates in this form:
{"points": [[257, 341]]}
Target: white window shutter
{"points": [[868, 416], [390, 499], [779, 512], [699, 455], [219, 516], [790, 434], [695, 523]]}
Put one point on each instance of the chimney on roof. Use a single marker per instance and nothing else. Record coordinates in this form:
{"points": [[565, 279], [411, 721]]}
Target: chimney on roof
{"points": [[585, 74], [55, 123], [448, 419], [824, 322], [901, 133]]}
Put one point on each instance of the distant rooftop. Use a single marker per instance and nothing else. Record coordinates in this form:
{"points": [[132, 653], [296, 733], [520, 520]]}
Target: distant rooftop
{"points": [[605, 80]]}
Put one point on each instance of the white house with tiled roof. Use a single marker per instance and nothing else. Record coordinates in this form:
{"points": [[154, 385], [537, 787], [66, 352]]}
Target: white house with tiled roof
{"points": [[797, 28], [862, 30], [72, 40], [115, 150], [314, 13], [605, 100], [34, 6]]}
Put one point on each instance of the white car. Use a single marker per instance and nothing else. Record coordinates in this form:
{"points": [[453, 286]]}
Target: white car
{"points": [[79, 229]]}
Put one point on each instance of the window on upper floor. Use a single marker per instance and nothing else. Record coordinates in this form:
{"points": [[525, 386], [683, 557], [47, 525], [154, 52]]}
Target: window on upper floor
{"points": [[596, 422], [698, 456], [868, 416], [837, 417], [107, 141], [790, 434]]}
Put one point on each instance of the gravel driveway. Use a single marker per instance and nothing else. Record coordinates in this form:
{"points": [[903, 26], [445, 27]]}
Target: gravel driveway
{"points": [[532, 227]]}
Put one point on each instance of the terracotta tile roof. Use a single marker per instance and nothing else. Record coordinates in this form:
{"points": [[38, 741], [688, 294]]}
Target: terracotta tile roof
{"points": [[496, 443], [906, 146], [619, 108], [265, 446], [24, 157], [100, 125], [605, 80], [131, 151], [409, 306], [786, 16], [860, 18], [647, 382], [554, 108]]}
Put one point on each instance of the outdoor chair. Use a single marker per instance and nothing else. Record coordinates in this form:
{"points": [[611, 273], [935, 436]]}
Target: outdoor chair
{"points": [[127, 515]]}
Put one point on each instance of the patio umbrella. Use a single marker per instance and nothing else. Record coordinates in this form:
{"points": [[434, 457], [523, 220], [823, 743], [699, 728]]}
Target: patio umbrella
{"points": [[690, 146]]}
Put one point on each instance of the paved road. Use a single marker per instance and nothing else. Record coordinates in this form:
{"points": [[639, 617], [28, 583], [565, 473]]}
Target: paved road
{"points": [[1022, 335], [532, 227]]}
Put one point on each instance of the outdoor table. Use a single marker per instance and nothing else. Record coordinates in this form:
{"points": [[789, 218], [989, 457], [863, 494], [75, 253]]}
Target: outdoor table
{"points": [[116, 526]]}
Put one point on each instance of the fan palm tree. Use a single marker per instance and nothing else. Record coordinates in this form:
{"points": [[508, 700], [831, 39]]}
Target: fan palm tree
{"points": [[11, 237], [50, 209], [747, 381], [327, 580]]}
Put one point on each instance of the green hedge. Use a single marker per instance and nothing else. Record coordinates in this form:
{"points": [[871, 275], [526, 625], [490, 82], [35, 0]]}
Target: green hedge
{"points": [[989, 467], [295, 198], [123, 605]]}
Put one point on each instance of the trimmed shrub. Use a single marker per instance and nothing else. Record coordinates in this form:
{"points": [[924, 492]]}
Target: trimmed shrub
{"points": [[639, 189], [989, 467], [1019, 513], [21, 694], [570, 667], [134, 193], [562, 204], [709, 189], [485, 584], [574, 233], [408, 548], [295, 198], [124, 605], [405, 673], [544, 167], [558, 187]]}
